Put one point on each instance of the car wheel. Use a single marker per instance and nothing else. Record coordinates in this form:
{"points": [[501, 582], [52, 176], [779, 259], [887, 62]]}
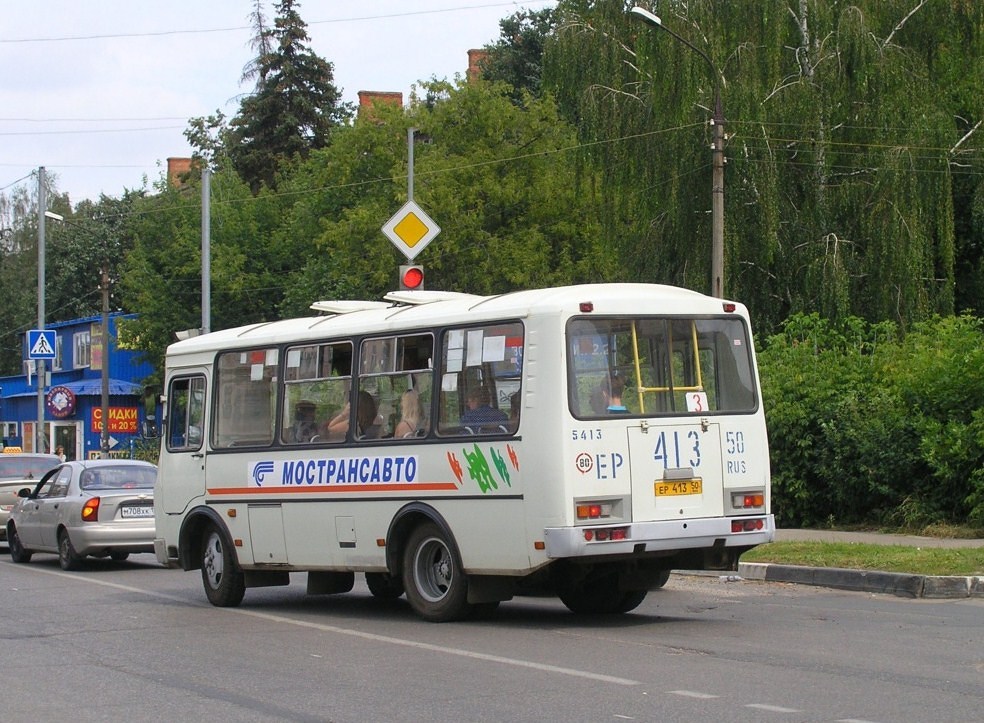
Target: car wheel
{"points": [[384, 586], [225, 586], [17, 551], [68, 558], [432, 576], [118, 556]]}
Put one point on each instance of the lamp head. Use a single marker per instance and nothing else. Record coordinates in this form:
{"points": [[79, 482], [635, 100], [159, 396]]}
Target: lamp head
{"points": [[646, 15]]}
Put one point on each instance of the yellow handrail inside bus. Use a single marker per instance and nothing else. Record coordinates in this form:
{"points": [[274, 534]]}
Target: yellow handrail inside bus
{"points": [[640, 389]]}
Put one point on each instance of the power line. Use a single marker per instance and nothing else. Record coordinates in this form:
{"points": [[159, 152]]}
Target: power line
{"points": [[239, 28]]}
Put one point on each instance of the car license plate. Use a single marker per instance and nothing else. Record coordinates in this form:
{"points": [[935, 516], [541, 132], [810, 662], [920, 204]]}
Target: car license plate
{"points": [[671, 488], [133, 511]]}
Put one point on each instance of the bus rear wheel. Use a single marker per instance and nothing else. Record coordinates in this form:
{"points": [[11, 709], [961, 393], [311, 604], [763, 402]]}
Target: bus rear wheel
{"points": [[224, 585], [435, 584], [599, 595]]}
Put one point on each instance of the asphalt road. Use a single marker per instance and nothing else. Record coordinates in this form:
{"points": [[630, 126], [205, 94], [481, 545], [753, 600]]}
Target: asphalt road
{"points": [[138, 642]]}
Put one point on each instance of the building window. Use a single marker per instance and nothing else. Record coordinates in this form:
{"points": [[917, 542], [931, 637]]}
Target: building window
{"points": [[56, 365], [83, 350]]}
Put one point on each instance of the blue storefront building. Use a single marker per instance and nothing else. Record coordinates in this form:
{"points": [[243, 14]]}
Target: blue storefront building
{"points": [[73, 394]]}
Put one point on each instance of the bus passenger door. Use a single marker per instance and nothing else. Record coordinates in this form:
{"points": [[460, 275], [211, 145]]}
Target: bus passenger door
{"points": [[676, 471], [181, 469]]}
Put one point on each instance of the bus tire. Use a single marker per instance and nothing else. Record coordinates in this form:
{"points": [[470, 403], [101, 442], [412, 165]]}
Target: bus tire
{"points": [[435, 584], [630, 601], [18, 553], [599, 595], [660, 580], [384, 586], [224, 585]]}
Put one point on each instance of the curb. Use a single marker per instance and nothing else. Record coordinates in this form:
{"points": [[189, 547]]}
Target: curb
{"points": [[891, 583]]}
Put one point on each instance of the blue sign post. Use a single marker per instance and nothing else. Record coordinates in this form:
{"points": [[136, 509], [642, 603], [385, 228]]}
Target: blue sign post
{"points": [[41, 344]]}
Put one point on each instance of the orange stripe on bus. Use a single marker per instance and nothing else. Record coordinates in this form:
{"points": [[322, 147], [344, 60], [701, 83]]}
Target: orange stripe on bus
{"points": [[425, 487]]}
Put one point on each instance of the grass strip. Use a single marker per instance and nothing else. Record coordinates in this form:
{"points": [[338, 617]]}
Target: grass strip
{"points": [[860, 556]]}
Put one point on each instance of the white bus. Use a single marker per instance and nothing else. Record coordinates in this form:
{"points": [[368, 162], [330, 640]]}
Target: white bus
{"points": [[464, 449]]}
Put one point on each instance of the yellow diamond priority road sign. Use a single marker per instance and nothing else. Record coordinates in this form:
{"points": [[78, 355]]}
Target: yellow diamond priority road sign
{"points": [[410, 229]]}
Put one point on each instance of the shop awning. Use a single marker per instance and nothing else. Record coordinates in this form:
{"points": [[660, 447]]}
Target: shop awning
{"points": [[91, 388]]}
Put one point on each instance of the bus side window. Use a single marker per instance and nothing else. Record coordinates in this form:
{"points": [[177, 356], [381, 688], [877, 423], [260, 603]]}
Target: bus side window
{"points": [[186, 413], [481, 370], [246, 386], [317, 381], [396, 373]]}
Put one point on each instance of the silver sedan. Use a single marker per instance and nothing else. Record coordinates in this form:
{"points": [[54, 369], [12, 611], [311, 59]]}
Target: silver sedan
{"points": [[101, 507]]}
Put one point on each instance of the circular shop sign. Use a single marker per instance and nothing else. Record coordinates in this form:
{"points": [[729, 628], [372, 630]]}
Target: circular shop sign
{"points": [[60, 402]]}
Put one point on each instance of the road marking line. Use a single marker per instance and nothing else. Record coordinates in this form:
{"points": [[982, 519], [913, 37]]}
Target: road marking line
{"points": [[515, 662], [694, 694], [772, 708], [435, 648]]}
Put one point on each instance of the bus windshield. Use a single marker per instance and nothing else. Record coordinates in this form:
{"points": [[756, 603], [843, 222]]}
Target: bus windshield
{"points": [[659, 366]]}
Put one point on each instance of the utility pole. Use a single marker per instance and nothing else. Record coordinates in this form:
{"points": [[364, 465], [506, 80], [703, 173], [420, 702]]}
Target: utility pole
{"points": [[104, 436], [206, 250], [40, 443], [717, 200], [717, 149]]}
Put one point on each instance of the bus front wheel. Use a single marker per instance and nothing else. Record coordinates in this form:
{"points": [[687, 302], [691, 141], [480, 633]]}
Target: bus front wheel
{"points": [[224, 584], [432, 576]]}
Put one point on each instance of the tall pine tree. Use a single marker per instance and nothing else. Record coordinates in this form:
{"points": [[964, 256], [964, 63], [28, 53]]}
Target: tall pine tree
{"points": [[295, 104]]}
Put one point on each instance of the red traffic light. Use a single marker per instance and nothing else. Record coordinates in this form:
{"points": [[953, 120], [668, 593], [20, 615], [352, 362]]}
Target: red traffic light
{"points": [[411, 278]]}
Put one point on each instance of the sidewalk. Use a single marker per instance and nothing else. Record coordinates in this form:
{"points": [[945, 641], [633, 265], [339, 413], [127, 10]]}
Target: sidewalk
{"points": [[902, 584]]}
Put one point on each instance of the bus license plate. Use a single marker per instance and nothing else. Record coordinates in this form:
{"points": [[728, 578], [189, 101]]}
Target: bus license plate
{"points": [[133, 512], [668, 488]]}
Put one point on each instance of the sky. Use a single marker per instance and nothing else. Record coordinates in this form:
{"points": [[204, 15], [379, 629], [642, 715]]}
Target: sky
{"points": [[99, 93]]}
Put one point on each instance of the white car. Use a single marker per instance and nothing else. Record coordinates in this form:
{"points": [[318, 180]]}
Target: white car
{"points": [[102, 507], [18, 472]]}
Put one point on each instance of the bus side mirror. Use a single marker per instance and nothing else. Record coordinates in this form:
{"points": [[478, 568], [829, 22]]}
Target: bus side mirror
{"points": [[149, 430]]}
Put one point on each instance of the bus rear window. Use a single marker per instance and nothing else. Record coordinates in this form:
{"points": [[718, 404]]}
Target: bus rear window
{"points": [[659, 366]]}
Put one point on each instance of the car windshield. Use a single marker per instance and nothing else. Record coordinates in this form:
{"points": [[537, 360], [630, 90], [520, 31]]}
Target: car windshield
{"points": [[25, 467], [118, 478]]}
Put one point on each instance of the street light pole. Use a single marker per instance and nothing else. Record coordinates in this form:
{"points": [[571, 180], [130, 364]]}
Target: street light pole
{"points": [[717, 149]]}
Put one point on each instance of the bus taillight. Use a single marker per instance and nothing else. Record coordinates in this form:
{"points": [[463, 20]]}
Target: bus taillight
{"points": [[606, 534], [746, 500], [747, 525], [593, 510]]}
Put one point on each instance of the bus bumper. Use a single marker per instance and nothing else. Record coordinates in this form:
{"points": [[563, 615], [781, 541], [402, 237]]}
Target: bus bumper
{"points": [[661, 536]]}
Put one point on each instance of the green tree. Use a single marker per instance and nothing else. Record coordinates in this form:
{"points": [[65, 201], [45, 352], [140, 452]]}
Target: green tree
{"points": [[844, 124], [295, 104], [517, 57], [162, 280], [499, 179]]}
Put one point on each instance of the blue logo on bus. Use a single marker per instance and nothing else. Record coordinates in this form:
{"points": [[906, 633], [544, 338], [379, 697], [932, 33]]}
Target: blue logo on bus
{"points": [[261, 470]]}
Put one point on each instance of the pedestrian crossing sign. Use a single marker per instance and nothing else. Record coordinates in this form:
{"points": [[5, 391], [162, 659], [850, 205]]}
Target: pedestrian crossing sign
{"points": [[41, 344]]}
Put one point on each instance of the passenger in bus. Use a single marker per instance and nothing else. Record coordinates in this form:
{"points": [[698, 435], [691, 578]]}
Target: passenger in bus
{"points": [[367, 423], [514, 411], [304, 429], [480, 411], [616, 386], [411, 415]]}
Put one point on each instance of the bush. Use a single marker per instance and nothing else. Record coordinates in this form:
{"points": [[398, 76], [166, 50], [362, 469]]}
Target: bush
{"points": [[868, 428]]}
